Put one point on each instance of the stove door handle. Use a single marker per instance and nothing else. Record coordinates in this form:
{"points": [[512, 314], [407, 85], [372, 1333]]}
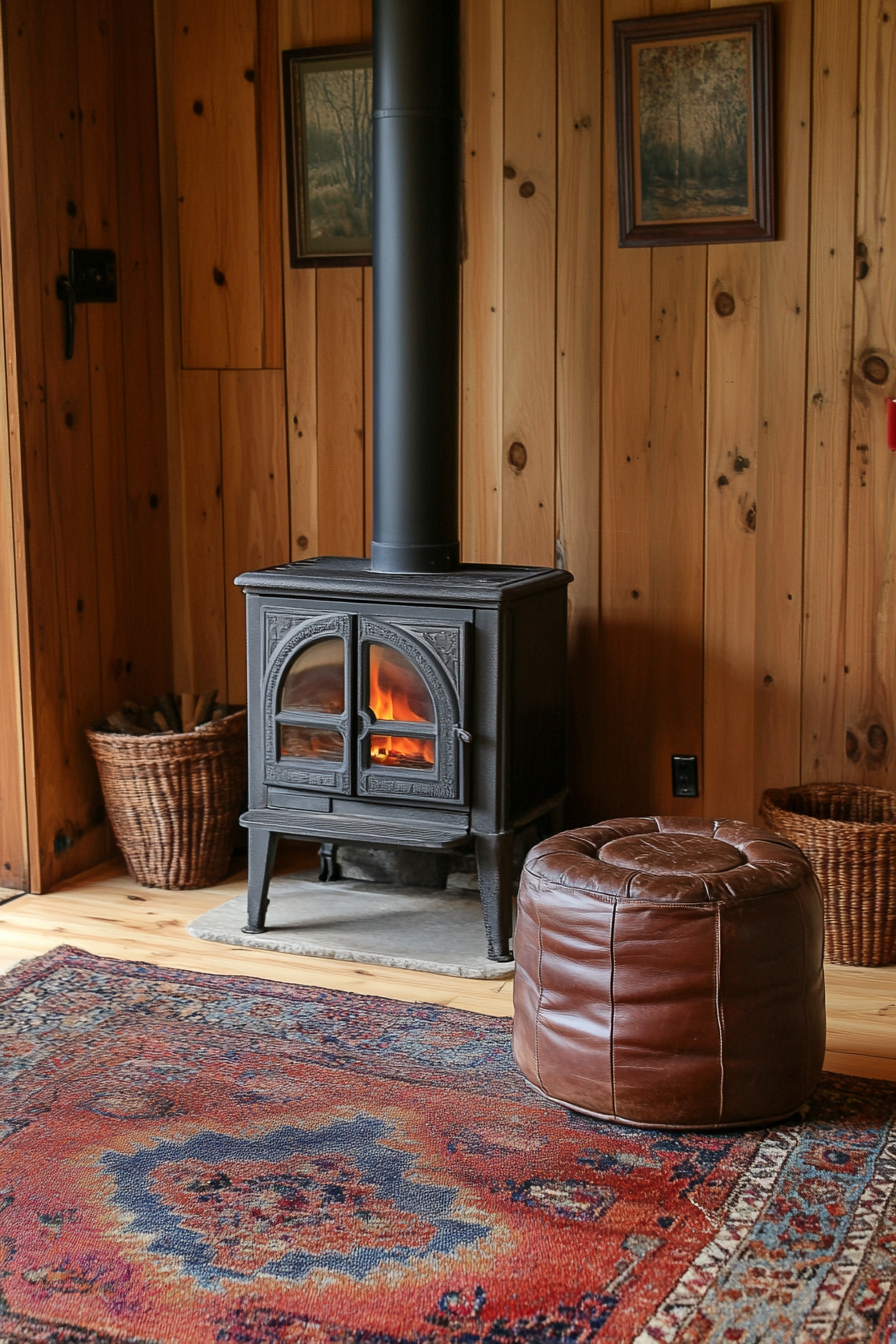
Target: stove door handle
{"points": [[462, 734]]}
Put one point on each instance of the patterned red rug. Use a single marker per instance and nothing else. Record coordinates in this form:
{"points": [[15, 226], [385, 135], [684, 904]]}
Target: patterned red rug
{"points": [[201, 1159]]}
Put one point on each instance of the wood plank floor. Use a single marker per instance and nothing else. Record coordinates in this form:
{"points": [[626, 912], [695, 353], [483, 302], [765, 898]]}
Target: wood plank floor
{"points": [[105, 912]]}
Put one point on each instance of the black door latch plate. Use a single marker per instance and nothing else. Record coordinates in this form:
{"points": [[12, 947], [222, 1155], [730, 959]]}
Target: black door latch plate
{"points": [[91, 278]]}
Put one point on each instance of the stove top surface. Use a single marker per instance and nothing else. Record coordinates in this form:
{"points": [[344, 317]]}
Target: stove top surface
{"points": [[349, 575]]}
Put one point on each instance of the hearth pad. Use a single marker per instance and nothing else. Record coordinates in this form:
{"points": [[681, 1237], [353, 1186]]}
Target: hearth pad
{"points": [[413, 928]]}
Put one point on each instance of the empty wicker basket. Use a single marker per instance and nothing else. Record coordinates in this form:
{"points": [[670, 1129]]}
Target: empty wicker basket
{"points": [[173, 799], [848, 833]]}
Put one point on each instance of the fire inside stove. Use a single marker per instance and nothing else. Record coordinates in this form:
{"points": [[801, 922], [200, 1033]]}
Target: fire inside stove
{"points": [[398, 694]]}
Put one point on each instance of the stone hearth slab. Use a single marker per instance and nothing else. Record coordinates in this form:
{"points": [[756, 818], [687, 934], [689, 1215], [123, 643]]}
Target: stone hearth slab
{"points": [[412, 928]]}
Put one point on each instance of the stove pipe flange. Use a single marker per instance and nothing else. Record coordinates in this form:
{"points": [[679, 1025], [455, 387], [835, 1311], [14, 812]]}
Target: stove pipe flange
{"points": [[417, 164]]}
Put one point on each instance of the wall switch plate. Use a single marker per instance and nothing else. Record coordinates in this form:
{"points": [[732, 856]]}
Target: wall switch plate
{"points": [[684, 777]]}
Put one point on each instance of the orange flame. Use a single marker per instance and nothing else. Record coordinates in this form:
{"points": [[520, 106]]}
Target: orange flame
{"points": [[393, 686], [409, 753]]}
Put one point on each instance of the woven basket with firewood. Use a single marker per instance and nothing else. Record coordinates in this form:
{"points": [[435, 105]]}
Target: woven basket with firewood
{"points": [[174, 778]]}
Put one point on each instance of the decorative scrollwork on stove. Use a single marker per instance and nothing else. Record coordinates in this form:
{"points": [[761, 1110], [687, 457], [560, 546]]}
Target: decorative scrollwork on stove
{"points": [[435, 674], [445, 643], [277, 626], [318, 779]]}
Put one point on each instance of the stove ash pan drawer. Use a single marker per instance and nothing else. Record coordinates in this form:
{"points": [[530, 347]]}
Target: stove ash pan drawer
{"points": [[348, 703]]}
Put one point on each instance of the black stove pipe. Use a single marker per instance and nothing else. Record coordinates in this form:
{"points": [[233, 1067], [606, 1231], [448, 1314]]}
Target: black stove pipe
{"points": [[416, 274]]}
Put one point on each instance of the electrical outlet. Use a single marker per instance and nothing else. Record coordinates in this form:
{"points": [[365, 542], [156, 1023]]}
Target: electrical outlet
{"points": [[684, 777]]}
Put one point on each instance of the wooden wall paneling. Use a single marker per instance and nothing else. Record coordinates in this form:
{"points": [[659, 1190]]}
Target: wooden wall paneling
{"points": [[578, 356], [732, 396], [270, 162], [621, 701], [530, 209], [217, 184], [256, 502], [203, 661], [100, 326], [871, 578], [163, 12], [140, 300], [70, 834], [368, 407], [676, 457], [340, 411], [337, 21], [296, 26], [482, 281], [833, 267], [16, 737], [782, 406]]}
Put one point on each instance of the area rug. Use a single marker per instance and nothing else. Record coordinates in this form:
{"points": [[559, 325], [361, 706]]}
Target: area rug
{"points": [[201, 1159]]}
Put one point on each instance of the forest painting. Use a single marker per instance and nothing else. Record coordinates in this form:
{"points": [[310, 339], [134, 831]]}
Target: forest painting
{"points": [[331, 155], [693, 148]]}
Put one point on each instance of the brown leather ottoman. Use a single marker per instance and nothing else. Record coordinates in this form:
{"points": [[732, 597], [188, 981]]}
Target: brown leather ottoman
{"points": [[668, 973]]}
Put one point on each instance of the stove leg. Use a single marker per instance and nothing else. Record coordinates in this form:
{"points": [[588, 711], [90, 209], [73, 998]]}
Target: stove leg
{"points": [[262, 852], [494, 859], [327, 856]]}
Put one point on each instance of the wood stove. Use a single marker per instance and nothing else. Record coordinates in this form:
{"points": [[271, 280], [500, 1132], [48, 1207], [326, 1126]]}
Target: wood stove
{"points": [[405, 710], [408, 701]]}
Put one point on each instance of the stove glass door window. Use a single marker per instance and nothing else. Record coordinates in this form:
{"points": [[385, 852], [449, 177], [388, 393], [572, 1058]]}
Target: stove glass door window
{"points": [[312, 701], [403, 736]]}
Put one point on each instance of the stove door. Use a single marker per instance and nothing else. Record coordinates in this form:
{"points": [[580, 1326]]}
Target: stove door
{"points": [[307, 702], [411, 732]]}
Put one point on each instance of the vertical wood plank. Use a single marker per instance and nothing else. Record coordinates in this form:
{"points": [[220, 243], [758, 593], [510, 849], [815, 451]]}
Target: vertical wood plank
{"points": [[141, 281], [16, 741], [782, 419], [61, 554], [831, 276], [623, 723], [482, 281], [338, 21], [578, 355], [340, 409], [204, 657], [732, 397], [256, 507], [267, 76], [368, 408], [530, 204], [296, 23], [172, 349], [676, 464], [871, 580], [217, 184], [100, 326]]}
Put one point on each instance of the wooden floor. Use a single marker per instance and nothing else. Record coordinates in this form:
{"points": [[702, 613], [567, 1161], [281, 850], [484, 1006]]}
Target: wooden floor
{"points": [[105, 912]]}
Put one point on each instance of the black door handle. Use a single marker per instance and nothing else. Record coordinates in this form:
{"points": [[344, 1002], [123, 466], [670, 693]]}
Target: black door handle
{"points": [[91, 279]]}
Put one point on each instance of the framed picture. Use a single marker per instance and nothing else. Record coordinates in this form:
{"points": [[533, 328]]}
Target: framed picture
{"points": [[694, 127], [328, 93]]}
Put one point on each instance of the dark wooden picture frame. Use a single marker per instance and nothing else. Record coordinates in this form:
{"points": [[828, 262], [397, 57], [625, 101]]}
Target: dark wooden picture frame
{"points": [[695, 127], [327, 101]]}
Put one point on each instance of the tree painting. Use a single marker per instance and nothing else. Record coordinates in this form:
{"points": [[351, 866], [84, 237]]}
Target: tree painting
{"points": [[336, 119], [693, 113]]}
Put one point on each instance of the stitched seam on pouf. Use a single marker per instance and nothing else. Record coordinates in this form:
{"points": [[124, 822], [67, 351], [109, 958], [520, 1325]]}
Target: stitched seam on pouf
{"points": [[613, 1010], [720, 1014], [538, 1004]]}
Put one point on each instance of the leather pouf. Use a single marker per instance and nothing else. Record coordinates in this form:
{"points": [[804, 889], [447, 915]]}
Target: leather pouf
{"points": [[669, 973]]}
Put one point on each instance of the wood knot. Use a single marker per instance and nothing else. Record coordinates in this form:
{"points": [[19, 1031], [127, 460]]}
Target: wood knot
{"points": [[71, 209], [302, 543], [509, 171], [517, 456], [878, 739], [199, 107], [69, 419], [527, 189], [218, 276], [725, 304], [249, 75], [876, 370]]}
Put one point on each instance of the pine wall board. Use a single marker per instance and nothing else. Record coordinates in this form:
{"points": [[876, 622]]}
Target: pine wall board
{"points": [[714, 476], [96, 625]]}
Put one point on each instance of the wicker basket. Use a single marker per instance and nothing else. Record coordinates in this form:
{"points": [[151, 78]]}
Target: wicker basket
{"points": [[173, 799], [848, 834]]}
